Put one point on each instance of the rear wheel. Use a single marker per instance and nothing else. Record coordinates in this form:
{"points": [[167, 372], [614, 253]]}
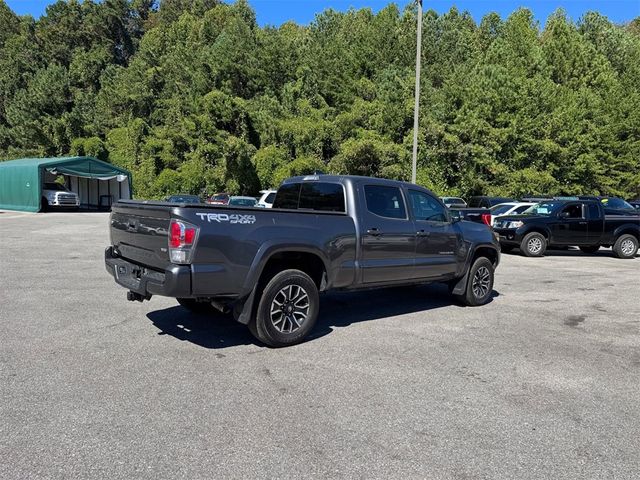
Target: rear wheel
{"points": [[479, 283], [533, 245], [590, 248], [626, 246], [288, 309]]}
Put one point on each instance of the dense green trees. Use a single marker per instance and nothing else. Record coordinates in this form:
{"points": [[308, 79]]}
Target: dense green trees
{"points": [[194, 96]]}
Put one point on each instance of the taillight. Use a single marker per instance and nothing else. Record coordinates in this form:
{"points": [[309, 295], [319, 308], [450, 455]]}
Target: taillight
{"points": [[486, 219], [182, 237]]}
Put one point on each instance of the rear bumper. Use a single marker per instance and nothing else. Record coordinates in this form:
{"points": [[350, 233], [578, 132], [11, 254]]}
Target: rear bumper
{"points": [[174, 281]]}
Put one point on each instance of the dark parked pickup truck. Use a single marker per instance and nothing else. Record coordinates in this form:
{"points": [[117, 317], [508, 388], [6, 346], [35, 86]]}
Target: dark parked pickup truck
{"points": [[562, 223], [324, 232]]}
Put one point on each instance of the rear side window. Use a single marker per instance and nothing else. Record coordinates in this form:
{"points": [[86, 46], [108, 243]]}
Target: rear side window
{"points": [[594, 211], [287, 196], [385, 201], [326, 197]]}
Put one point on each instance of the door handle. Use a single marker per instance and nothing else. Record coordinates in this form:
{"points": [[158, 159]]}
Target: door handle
{"points": [[583, 223], [374, 231], [422, 233]]}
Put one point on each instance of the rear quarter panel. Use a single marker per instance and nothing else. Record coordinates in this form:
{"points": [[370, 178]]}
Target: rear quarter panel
{"points": [[234, 244]]}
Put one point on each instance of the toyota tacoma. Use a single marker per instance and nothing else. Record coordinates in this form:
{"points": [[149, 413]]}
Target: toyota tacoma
{"points": [[324, 232]]}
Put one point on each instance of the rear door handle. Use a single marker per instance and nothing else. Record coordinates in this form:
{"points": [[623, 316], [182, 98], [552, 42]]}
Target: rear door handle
{"points": [[374, 231], [422, 233], [583, 223]]}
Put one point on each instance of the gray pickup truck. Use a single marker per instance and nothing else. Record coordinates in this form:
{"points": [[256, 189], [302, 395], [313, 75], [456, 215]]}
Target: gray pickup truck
{"points": [[325, 232]]}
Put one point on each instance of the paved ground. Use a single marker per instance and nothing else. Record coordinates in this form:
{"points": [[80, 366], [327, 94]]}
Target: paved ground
{"points": [[544, 382]]}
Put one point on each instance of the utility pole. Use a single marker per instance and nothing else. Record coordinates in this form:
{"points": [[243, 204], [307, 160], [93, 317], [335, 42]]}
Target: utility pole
{"points": [[417, 105]]}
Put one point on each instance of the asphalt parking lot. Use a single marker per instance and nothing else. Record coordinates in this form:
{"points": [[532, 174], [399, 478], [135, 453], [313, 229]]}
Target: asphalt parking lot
{"points": [[544, 382]]}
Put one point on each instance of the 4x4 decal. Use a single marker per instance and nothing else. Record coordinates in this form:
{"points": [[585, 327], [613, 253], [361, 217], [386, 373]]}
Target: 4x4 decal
{"points": [[224, 217]]}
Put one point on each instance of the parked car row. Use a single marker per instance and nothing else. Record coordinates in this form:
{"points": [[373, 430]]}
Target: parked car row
{"points": [[265, 201], [534, 224]]}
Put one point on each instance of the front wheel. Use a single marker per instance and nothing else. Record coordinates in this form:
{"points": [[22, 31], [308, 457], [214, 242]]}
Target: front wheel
{"points": [[479, 283], [533, 245], [626, 246], [288, 309]]}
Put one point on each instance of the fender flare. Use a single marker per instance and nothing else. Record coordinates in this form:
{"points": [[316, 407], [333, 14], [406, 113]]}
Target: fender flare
{"points": [[630, 228], [461, 284], [244, 306], [544, 230]]}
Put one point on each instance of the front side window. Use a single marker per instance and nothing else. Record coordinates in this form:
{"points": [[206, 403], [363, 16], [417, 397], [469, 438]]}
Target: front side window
{"points": [[385, 201], [572, 211], [425, 207]]}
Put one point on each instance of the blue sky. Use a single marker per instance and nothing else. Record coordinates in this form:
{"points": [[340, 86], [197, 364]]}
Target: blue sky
{"points": [[275, 12]]}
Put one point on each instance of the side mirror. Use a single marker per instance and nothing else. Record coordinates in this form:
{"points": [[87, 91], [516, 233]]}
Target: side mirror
{"points": [[564, 215], [455, 217]]}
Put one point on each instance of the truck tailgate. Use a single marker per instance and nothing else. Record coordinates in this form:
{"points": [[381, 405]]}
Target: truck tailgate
{"points": [[140, 234]]}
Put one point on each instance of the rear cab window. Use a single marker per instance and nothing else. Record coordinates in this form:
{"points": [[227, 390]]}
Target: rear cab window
{"points": [[316, 196]]}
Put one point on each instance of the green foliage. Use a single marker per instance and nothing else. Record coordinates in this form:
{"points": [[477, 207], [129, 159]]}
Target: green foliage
{"points": [[193, 96]]}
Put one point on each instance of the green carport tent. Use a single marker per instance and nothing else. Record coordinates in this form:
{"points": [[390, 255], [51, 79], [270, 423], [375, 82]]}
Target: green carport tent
{"points": [[21, 181]]}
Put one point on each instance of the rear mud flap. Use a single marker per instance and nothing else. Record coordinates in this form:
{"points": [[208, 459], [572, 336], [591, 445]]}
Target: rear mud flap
{"points": [[243, 310]]}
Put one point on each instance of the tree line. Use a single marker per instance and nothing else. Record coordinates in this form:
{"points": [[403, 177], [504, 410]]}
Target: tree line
{"points": [[194, 96]]}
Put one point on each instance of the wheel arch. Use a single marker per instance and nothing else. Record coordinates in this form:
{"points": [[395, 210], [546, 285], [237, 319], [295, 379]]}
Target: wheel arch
{"points": [[274, 257], [626, 229]]}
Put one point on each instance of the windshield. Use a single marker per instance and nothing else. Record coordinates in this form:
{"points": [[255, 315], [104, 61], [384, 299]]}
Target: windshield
{"points": [[616, 203], [183, 199], [542, 208], [55, 186], [243, 202], [500, 209]]}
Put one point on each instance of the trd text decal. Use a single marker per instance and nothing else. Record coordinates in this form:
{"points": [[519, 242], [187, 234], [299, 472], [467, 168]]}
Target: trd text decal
{"points": [[224, 217]]}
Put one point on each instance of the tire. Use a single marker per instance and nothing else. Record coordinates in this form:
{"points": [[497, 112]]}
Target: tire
{"points": [[626, 246], [196, 307], [479, 283], [45, 205], [533, 245], [590, 248], [506, 248], [288, 309]]}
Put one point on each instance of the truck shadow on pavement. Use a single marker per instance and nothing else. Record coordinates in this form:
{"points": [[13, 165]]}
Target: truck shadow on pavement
{"points": [[337, 309], [570, 252]]}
